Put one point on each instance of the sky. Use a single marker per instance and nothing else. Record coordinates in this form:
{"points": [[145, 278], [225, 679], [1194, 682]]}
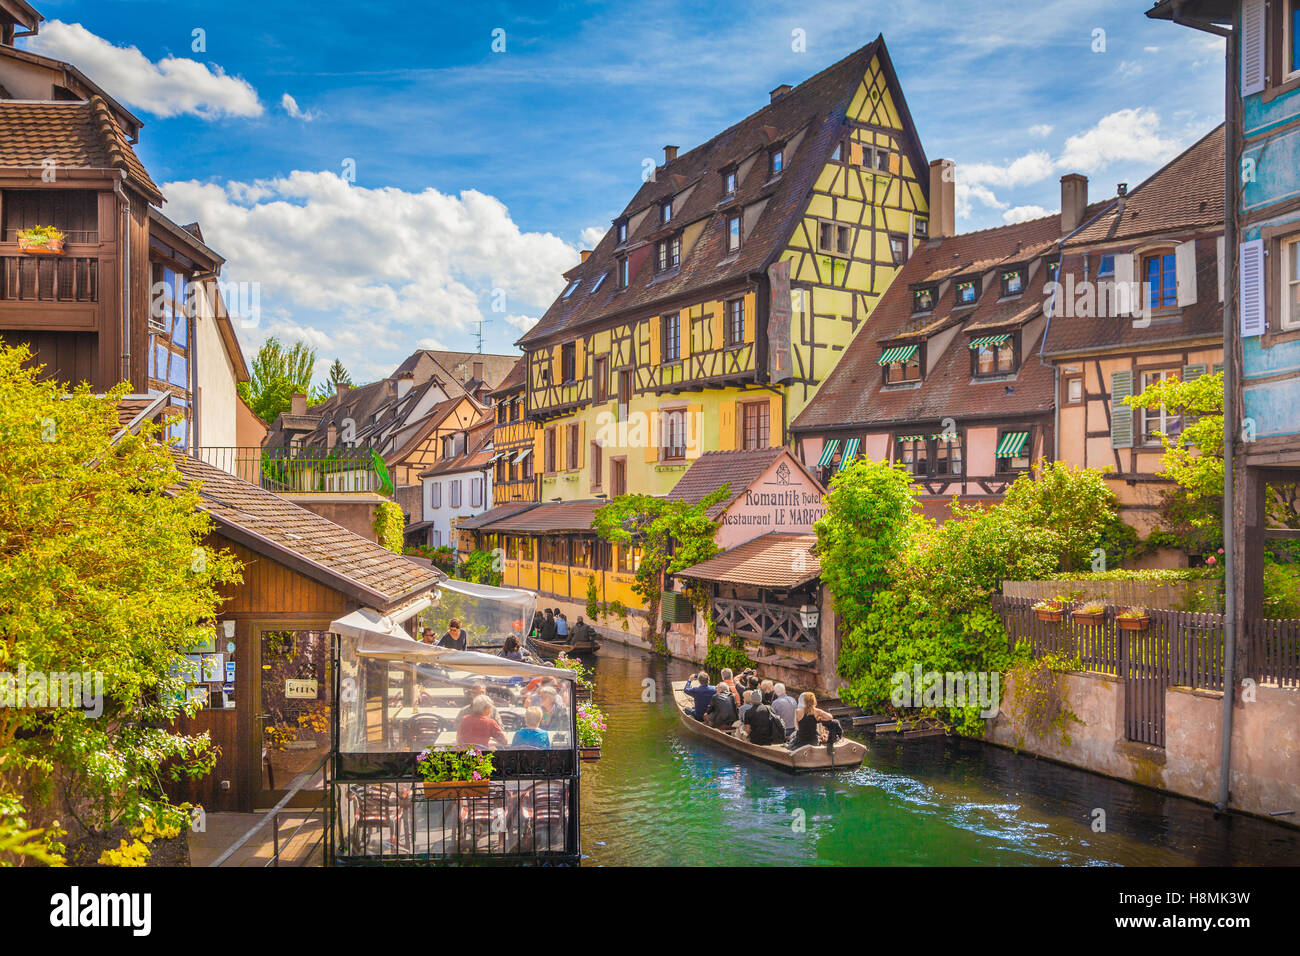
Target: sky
{"points": [[388, 176]]}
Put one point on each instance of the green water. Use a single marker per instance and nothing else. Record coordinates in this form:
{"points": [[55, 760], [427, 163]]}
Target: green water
{"points": [[662, 797]]}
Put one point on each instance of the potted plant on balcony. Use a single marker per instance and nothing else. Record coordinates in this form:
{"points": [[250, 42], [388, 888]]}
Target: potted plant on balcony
{"points": [[1133, 619], [451, 774], [582, 686], [1089, 613], [591, 731], [1051, 611], [41, 241]]}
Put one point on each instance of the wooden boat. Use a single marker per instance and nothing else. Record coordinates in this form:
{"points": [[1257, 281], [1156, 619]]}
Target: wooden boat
{"points": [[845, 755], [555, 648]]}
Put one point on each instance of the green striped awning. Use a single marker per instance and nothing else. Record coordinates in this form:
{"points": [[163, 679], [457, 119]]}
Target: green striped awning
{"points": [[899, 353], [984, 340], [1012, 445], [850, 452], [946, 436], [911, 438], [828, 452]]}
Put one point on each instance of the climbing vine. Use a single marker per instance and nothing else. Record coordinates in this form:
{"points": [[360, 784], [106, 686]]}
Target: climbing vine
{"points": [[1038, 706], [389, 525]]}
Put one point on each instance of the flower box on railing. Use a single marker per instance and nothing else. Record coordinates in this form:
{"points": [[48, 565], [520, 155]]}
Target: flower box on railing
{"points": [[455, 789], [1089, 615], [589, 753], [1134, 623], [1050, 611], [41, 241]]}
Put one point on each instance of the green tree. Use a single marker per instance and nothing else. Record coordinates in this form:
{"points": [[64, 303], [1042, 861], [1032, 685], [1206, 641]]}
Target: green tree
{"points": [[103, 570], [276, 374], [672, 535], [337, 376]]}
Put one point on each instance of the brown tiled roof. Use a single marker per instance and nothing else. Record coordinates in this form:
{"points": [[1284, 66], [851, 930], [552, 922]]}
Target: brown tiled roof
{"points": [[76, 135], [516, 379], [494, 515], [552, 516], [816, 109], [713, 469], [768, 561], [855, 394], [1187, 192], [133, 406], [477, 454], [310, 544]]}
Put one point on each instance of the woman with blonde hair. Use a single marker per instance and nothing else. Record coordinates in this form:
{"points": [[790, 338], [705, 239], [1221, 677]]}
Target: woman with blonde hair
{"points": [[808, 718]]}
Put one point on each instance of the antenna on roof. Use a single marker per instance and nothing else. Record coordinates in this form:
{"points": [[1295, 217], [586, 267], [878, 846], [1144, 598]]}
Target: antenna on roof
{"points": [[479, 334]]}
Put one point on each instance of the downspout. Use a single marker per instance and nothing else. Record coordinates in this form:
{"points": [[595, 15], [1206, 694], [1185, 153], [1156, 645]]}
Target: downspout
{"points": [[124, 250]]}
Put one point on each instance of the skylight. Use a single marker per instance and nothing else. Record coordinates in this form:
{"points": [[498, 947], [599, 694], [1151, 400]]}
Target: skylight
{"points": [[573, 287]]}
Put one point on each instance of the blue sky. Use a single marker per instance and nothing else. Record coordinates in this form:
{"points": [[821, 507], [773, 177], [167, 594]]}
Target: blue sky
{"points": [[417, 178]]}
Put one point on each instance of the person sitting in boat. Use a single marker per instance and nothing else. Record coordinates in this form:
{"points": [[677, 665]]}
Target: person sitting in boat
{"points": [[748, 697], [730, 681], [561, 626], [554, 714], [702, 693], [479, 727], [531, 735], [511, 649], [811, 721], [548, 627], [583, 633], [783, 706], [453, 637], [767, 689], [722, 712], [764, 727], [535, 629]]}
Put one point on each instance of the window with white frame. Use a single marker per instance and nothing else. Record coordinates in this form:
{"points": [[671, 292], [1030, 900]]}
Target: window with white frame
{"points": [[453, 496], [1159, 419], [1290, 311]]}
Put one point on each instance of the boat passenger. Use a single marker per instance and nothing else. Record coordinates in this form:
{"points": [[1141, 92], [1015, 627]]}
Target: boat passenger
{"points": [[554, 714], [511, 650], [810, 720], [748, 698], [784, 707], [767, 688], [472, 693], [702, 693], [730, 681], [561, 626], [762, 723], [479, 727], [583, 633], [722, 712], [454, 637], [426, 635], [531, 735], [548, 627], [535, 629]]}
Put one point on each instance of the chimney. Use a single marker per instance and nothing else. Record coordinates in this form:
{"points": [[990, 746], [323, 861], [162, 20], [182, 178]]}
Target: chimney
{"points": [[780, 91], [340, 388], [331, 435], [585, 254], [404, 382], [1074, 200], [670, 153], [478, 371], [943, 199], [1121, 190], [298, 404]]}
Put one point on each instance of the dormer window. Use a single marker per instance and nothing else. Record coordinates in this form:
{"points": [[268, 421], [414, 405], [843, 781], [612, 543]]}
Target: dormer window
{"points": [[665, 211], [623, 273], [901, 363], [923, 299], [1013, 282], [573, 287], [995, 354], [729, 181], [733, 233], [668, 253], [967, 292], [923, 228], [620, 231], [776, 160]]}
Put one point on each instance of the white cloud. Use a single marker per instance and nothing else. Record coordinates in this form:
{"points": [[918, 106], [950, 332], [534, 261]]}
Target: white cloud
{"points": [[592, 235], [1022, 213], [1125, 135], [1041, 130], [1151, 49], [522, 322], [965, 193], [1029, 168], [290, 106], [171, 87], [375, 269]]}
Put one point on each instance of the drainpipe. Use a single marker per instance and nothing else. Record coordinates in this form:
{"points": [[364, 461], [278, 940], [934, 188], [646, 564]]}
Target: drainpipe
{"points": [[124, 250]]}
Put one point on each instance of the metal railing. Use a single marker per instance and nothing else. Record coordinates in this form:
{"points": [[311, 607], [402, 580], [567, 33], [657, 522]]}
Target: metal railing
{"points": [[342, 471], [272, 819]]}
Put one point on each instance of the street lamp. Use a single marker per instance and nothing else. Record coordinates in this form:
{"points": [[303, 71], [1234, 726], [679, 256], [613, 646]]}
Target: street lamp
{"points": [[808, 616]]}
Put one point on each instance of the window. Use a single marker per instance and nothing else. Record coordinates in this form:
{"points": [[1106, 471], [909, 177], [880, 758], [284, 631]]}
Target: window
{"points": [[947, 457], [568, 361], [735, 331], [453, 493], [669, 253], [1012, 451], [755, 425], [902, 363], [1073, 391], [1161, 276], [923, 299], [549, 444], [1013, 282], [476, 492], [729, 181], [922, 227], [914, 454], [573, 287], [776, 160], [501, 414], [671, 340], [601, 372], [882, 160], [1159, 420], [617, 477], [571, 446], [733, 233], [1290, 313], [525, 549], [625, 384], [629, 559], [665, 211], [516, 409], [898, 249], [526, 468], [1290, 38], [839, 152], [596, 462], [436, 539], [600, 279], [1106, 267], [623, 275], [967, 292], [672, 434], [994, 355], [620, 231], [435, 494], [833, 237]]}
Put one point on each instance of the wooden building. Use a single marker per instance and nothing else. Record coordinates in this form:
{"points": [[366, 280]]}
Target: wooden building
{"points": [[513, 441]]}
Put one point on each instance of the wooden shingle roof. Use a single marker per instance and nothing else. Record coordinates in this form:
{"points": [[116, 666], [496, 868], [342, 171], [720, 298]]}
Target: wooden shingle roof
{"points": [[767, 561]]}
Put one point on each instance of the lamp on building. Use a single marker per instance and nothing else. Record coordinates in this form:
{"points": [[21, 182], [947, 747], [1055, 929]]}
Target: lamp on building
{"points": [[808, 616]]}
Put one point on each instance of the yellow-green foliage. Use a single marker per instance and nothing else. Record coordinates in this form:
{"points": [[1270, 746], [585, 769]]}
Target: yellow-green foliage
{"points": [[389, 525]]}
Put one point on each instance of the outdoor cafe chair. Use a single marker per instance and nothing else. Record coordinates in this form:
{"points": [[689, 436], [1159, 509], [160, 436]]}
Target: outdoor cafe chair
{"points": [[375, 808]]}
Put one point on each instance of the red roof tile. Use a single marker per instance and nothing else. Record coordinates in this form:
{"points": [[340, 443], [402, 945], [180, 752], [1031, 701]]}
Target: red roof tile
{"points": [[768, 561]]}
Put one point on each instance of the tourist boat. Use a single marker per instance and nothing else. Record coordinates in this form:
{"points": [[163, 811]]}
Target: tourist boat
{"points": [[846, 753], [554, 648]]}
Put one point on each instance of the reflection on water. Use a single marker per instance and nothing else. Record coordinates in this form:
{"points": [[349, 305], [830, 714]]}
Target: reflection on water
{"points": [[660, 797]]}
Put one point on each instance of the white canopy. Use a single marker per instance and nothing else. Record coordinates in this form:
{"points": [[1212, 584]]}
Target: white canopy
{"points": [[377, 644]]}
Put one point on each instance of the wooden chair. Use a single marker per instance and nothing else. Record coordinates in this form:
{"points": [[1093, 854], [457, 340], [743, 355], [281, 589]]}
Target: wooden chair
{"points": [[546, 812], [486, 817], [374, 808]]}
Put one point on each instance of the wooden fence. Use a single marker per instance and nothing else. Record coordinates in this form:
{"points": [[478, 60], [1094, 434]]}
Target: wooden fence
{"points": [[1183, 595], [1177, 649]]}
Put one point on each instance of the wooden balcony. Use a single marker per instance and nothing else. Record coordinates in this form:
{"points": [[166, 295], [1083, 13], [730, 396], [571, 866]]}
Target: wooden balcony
{"points": [[49, 292]]}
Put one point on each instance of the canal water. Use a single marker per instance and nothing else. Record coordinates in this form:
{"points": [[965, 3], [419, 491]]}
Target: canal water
{"points": [[660, 797]]}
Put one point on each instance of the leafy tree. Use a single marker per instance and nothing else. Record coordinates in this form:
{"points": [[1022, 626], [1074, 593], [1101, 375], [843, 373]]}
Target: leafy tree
{"points": [[276, 374], [337, 376], [102, 571], [672, 535], [482, 567]]}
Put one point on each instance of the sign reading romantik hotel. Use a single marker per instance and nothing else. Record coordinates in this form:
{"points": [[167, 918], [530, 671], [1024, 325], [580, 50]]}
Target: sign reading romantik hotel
{"points": [[784, 498]]}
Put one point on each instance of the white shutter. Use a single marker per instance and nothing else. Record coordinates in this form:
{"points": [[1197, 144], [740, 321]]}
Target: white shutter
{"points": [[1254, 37], [1123, 297], [1185, 265], [1252, 288], [1218, 252]]}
